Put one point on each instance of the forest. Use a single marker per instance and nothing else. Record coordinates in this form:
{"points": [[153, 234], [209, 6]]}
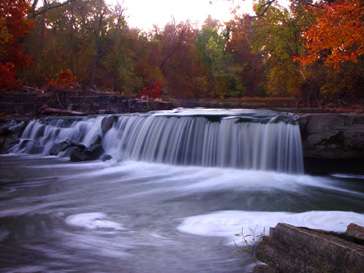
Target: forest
{"points": [[311, 49]]}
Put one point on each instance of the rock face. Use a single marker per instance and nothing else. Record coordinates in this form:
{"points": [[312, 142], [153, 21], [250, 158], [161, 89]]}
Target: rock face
{"points": [[290, 249], [333, 136], [10, 132]]}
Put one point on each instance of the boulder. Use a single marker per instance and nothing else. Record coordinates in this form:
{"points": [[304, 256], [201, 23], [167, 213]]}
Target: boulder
{"points": [[80, 152], [60, 147], [290, 249], [332, 135], [355, 231], [107, 123], [106, 157]]}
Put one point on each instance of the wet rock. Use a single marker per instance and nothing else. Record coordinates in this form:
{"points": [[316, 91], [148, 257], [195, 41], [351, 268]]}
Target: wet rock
{"points": [[60, 147], [10, 132], [333, 136], [290, 249], [107, 123], [80, 152], [106, 157], [355, 231]]}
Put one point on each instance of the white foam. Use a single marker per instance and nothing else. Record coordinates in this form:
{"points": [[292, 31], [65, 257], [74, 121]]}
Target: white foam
{"points": [[207, 112], [347, 175], [253, 224], [92, 220]]}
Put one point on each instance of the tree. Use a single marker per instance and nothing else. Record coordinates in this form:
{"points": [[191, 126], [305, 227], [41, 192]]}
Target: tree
{"points": [[277, 37], [246, 65], [223, 74], [14, 26], [337, 35], [180, 62]]}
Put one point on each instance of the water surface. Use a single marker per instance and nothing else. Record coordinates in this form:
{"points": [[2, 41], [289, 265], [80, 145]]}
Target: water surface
{"points": [[129, 216]]}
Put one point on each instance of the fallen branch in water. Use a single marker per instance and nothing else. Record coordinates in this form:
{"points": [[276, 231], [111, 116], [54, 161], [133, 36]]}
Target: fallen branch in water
{"points": [[45, 110]]}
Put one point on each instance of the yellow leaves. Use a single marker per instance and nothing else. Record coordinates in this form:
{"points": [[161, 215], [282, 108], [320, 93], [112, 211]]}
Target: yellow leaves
{"points": [[337, 36]]}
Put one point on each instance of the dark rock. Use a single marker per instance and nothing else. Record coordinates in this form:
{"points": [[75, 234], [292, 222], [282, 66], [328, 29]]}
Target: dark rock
{"points": [[107, 123], [60, 147], [106, 157], [333, 136], [355, 231], [9, 134], [290, 249], [82, 153]]}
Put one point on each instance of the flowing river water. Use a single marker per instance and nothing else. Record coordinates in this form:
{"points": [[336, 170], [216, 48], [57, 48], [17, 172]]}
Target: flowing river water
{"points": [[158, 206]]}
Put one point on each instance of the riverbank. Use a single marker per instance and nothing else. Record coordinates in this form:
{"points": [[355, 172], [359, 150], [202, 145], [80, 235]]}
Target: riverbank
{"points": [[24, 103]]}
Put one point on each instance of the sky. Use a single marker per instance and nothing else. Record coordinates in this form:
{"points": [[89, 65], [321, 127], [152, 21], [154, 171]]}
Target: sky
{"points": [[146, 13]]}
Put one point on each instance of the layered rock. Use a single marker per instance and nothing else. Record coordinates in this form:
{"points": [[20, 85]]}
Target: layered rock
{"points": [[333, 136], [290, 249]]}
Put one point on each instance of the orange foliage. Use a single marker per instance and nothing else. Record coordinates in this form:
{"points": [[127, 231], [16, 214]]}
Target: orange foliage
{"points": [[337, 36], [65, 80], [7, 76], [152, 91], [14, 25]]}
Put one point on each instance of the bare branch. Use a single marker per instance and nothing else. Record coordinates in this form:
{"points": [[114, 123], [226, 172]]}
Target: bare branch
{"points": [[47, 7]]}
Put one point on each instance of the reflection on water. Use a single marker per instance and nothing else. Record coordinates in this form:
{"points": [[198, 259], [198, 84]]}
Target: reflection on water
{"points": [[140, 217]]}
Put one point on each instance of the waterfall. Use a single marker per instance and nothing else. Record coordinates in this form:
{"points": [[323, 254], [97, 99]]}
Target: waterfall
{"points": [[247, 139]]}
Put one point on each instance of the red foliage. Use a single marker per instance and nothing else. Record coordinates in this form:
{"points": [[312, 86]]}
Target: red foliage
{"points": [[8, 76], [14, 25], [152, 91], [65, 80], [337, 36]]}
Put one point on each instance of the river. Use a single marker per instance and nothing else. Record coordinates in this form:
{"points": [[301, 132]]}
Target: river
{"points": [[136, 215]]}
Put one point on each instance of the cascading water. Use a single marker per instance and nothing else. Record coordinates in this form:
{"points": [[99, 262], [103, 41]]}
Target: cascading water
{"points": [[247, 139]]}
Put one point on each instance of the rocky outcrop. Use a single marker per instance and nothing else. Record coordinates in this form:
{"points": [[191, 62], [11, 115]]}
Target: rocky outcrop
{"points": [[10, 131], [107, 123], [355, 231], [333, 136], [290, 249]]}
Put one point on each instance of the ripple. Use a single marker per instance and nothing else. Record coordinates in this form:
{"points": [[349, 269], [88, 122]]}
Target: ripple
{"points": [[93, 220]]}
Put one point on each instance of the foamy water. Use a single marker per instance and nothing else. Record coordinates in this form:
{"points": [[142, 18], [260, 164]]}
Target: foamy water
{"points": [[93, 220], [149, 217], [248, 225]]}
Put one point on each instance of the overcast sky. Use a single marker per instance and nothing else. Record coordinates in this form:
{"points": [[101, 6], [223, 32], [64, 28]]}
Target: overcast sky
{"points": [[146, 13]]}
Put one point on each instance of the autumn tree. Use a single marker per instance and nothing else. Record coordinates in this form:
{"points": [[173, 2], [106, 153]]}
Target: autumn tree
{"points": [[247, 65], [180, 62], [14, 26], [277, 37], [337, 35], [222, 80]]}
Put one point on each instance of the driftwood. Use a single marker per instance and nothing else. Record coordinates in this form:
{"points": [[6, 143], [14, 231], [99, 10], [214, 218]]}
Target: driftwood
{"points": [[45, 110]]}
